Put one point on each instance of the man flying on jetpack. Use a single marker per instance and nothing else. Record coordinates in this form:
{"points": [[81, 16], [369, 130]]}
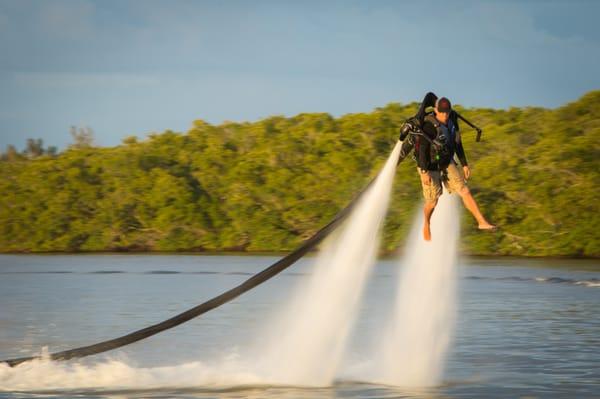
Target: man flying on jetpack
{"points": [[435, 137]]}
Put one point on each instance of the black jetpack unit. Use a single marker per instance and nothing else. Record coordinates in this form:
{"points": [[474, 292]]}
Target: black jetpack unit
{"points": [[412, 127]]}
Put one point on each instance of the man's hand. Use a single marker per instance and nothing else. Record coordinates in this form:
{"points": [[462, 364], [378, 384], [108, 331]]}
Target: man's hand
{"points": [[426, 179], [467, 172]]}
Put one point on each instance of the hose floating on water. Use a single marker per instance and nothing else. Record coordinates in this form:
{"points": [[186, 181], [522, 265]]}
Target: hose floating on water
{"points": [[213, 303]]}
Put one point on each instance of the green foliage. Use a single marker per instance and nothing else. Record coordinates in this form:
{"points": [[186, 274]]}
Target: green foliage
{"points": [[271, 184]]}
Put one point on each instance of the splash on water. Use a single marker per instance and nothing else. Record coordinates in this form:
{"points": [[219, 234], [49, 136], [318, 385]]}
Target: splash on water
{"points": [[46, 375]]}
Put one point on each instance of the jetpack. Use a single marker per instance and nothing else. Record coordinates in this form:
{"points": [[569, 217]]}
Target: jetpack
{"points": [[413, 126]]}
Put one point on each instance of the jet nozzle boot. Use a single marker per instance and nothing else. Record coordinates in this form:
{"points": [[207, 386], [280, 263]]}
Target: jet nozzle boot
{"points": [[407, 146]]}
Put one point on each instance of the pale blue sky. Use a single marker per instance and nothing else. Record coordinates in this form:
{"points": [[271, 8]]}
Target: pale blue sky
{"points": [[135, 67]]}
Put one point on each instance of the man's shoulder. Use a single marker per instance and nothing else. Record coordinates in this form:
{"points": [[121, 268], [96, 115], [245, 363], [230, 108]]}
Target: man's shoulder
{"points": [[430, 118]]}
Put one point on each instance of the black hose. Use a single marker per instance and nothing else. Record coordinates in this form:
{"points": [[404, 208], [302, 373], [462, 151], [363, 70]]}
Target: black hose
{"points": [[213, 303]]}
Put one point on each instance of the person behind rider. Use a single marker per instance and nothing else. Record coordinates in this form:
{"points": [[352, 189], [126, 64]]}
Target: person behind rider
{"points": [[436, 165]]}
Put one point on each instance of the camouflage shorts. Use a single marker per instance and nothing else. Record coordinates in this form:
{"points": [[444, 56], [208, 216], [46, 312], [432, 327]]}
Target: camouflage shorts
{"points": [[453, 182]]}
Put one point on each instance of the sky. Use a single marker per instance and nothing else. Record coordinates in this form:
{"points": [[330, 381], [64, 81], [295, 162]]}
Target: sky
{"points": [[135, 67]]}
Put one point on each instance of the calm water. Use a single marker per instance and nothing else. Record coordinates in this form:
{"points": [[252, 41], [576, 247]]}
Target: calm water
{"points": [[524, 329]]}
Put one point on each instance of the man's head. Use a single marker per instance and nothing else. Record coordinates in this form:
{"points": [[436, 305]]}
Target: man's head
{"points": [[442, 109]]}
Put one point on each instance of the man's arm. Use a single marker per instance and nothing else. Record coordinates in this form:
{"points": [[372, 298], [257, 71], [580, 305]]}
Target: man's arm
{"points": [[458, 147], [460, 151]]}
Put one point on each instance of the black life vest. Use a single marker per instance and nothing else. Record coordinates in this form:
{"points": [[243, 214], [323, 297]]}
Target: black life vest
{"points": [[443, 144]]}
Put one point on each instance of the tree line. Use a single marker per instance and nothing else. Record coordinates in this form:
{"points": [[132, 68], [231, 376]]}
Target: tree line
{"points": [[270, 184]]}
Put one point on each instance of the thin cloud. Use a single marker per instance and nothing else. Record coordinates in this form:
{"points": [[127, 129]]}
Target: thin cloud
{"points": [[54, 80], [65, 19]]}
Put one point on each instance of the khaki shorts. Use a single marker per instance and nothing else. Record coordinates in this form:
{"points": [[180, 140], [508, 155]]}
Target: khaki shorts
{"points": [[454, 183]]}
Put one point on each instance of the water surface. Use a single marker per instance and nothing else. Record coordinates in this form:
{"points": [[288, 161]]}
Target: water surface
{"points": [[525, 328]]}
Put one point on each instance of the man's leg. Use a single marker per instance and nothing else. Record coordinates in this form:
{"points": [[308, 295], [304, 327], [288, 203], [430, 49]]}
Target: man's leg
{"points": [[471, 205], [431, 192], [457, 183], [427, 212]]}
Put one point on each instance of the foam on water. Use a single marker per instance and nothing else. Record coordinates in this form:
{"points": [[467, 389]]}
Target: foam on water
{"points": [[45, 375], [413, 347]]}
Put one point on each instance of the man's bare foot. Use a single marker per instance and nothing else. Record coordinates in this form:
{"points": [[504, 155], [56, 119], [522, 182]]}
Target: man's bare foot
{"points": [[488, 227], [426, 232]]}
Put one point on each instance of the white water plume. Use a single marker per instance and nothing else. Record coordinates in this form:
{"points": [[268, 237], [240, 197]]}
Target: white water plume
{"points": [[413, 348], [307, 340]]}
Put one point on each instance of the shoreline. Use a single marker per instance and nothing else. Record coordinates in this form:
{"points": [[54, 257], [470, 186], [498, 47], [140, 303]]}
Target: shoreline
{"points": [[384, 255]]}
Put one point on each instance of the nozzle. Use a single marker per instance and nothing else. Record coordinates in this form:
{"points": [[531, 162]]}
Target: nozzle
{"points": [[404, 130]]}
